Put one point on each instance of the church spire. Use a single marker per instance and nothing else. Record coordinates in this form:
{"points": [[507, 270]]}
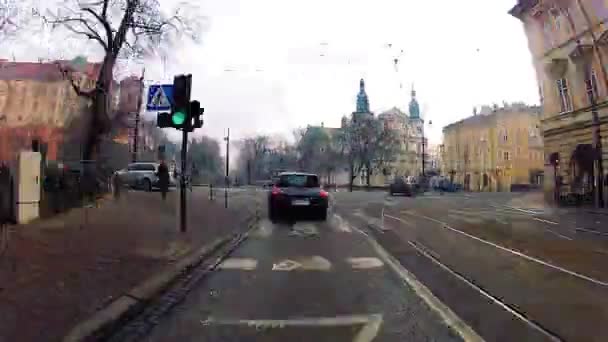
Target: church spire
{"points": [[414, 107], [362, 100]]}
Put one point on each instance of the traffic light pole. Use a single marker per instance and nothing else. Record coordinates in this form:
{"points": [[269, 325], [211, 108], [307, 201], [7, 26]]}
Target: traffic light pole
{"points": [[227, 166], [182, 183]]}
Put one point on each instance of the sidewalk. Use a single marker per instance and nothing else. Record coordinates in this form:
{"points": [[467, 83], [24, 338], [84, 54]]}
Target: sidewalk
{"points": [[58, 272]]}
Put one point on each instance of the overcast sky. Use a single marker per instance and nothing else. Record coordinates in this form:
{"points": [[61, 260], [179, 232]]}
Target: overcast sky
{"points": [[268, 66]]}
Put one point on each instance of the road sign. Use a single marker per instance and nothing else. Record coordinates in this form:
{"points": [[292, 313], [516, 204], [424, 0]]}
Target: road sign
{"points": [[160, 97]]}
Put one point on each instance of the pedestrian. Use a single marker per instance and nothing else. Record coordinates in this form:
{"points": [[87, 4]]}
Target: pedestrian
{"points": [[163, 179], [116, 184]]}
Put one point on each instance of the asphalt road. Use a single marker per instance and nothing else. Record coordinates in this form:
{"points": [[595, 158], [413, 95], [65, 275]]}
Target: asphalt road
{"points": [[304, 281], [512, 272], [496, 267]]}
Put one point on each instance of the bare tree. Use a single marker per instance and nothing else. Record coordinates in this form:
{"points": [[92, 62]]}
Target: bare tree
{"points": [[122, 29], [366, 143], [14, 14]]}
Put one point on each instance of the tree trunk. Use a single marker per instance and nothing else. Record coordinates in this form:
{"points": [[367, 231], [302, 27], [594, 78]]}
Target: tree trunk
{"points": [[100, 121]]}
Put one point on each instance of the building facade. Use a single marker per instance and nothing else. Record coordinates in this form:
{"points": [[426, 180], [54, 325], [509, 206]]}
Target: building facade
{"points": [[409, 129], [495, 150], [568, 40], [37, 102]]}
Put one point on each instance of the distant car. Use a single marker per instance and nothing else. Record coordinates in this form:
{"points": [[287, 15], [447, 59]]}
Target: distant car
{"points": [[297, 191], [142, 175], [401, 186]]}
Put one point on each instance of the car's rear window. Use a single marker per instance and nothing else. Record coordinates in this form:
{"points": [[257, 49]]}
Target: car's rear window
{"points": [[303, 181]]}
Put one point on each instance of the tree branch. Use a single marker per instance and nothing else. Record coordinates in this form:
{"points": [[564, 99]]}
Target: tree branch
{"points": [[104, 22], [68, 76]]}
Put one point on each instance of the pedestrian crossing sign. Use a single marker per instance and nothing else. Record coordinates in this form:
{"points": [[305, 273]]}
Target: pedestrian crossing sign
{"points": [[160, 97]]}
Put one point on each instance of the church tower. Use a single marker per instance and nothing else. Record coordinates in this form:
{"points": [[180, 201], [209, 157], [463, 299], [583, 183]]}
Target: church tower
{"points": [[362, 111], [414, 106], [362, 100]]}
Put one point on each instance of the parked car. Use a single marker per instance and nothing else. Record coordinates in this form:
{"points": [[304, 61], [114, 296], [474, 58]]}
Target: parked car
{"points": [[297, 191], [401, 186], [142, 175]]}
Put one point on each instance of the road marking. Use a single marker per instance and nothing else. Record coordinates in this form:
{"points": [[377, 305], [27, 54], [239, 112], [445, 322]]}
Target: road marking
{"points": [[340, 225], [591, 231], [304, 229], [529, 212], [364, 263], [244, 264], [371, 324], [546, 221], [447, 315], [314, 263], [286, 265], [486, 294], [265, 230], [514, 252]]}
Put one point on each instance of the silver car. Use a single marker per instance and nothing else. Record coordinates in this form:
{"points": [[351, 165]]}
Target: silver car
{"points": [[142, 175]]}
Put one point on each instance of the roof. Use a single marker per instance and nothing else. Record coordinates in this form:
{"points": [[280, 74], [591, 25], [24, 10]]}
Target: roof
{"points": [[521, 7], [514, 108], [46, 72], [393, 112]]}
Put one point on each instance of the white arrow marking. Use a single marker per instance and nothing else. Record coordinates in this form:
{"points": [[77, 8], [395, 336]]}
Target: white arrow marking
{"points": [[286, 265], [364, 263], [314, 263]]}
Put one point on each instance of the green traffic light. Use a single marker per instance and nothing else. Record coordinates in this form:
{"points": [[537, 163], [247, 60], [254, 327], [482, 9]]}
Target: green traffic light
{"points": [[178, 118]]}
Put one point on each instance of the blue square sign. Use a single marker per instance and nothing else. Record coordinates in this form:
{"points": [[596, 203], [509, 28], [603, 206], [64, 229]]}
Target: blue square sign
{"points": [[160, 97]]}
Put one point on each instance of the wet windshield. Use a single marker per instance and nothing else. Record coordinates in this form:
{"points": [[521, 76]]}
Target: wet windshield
{"points": [[319, 171]]}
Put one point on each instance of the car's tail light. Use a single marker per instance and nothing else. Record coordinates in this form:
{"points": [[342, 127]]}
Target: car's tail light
{"points": [[324, 194], [276, 191]]}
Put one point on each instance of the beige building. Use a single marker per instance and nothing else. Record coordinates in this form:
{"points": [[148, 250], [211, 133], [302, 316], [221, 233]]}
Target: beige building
{"points": [[568, 41], [495, 149]]}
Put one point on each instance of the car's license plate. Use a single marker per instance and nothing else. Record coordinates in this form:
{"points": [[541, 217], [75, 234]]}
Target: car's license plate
{"points": [[300, 202]]}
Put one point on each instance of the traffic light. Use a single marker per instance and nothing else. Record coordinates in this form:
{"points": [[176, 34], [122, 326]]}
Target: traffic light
{"points": [[196, 112], [180, 108], [163, 120]]}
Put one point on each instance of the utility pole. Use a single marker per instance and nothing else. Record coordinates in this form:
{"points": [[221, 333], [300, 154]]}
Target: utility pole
{"points": [[137, 116], [182, 183], [227, 139], [423, 157]]}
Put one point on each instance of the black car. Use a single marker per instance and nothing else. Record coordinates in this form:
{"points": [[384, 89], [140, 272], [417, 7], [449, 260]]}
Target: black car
{"points": [[400, 186], [297, 191]]}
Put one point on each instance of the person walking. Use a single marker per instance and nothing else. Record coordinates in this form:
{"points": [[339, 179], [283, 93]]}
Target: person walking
{"points": [[163, 179]]}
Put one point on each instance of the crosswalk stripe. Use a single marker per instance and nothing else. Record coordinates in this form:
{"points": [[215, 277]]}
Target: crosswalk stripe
{"points": [[311, 263]]}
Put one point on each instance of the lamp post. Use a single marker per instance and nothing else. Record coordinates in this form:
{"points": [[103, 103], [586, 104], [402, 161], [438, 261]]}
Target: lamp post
{"points": [[424, 150]]}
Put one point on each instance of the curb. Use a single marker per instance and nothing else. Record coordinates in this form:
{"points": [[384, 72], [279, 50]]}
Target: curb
{"points": [[133, 300]]}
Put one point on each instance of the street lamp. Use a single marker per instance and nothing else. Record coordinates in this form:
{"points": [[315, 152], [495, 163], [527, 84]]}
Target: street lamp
{"points": [[423, 149]]}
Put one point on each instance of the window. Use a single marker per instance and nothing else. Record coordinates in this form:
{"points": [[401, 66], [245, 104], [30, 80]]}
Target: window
{"points": [[505, 155], [302, 181], [564, 95], [591, 86]]}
